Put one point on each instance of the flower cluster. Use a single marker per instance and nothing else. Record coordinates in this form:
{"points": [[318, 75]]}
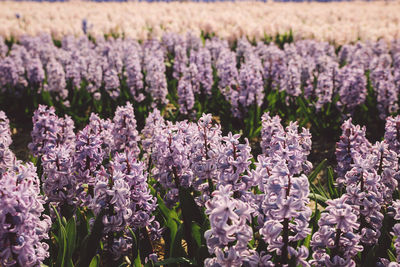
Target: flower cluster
{"points": [[337, 232], [283, 214], [22, 223], [50, 131], [7, 157], [352, 141], [124, 130], [230, 233]]}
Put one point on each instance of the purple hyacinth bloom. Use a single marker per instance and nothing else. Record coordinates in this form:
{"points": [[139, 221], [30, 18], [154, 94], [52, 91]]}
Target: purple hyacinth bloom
{"points": [[35, 72], [233, 162], [392, 133], [230, 233], [336, 231], [49, 130], [7, 157], [251, 87], [3, 48], [285, 189], [202, 60], [124, 130], [351, 141], [352, 88], [23, 227], [180, 60], [133, 71], [385, 88], [153, 60], [205, 155], [56, 79], [186, 89]]}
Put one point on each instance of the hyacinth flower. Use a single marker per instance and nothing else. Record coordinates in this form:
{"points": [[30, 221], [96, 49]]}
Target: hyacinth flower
{"points": [[352, 88], [53, 140], [59, 182], [228, 76], [288, 144], [7, 157], [133, 71], [23, 227], [10, 75], [229, 232], [122, 201], [3, 48], [154, 123], [216, 45], [396, 230], [74, 70], [291, 80], [326, 82], [186, 89], [93, 145], [142, 203], [283, 214], [205, 154], [49, 131], [388, 169], [392, 133], [35, 72], [124, 130], [104, 128], [171, 158], [385, 88], [251, 86], [273, 64], [202, 60], [337, 232], [153, 65], [180, 60], [111, 196], [351, 141], [364, 193], [233, 162], [87, 160], [56, 83]]}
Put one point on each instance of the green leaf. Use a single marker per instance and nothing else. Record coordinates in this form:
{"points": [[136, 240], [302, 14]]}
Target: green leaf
{"points": [[392, 257], [173, 260], [318, 198], [196, 233], [176, 245], [92, 241], [331, 184], [172, 220], [95, 261], [317, 170], [190, 213], [134, 244], [189, 206], [71, 236], [62, 240]]}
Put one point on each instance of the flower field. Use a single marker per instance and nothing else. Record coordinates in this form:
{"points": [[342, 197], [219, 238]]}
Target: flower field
{"points": [[338, 23], [182, 141]]}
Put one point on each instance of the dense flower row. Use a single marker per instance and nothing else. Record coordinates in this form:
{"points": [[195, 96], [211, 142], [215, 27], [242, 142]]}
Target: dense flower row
{"points": [[23, 227], [243, 76], [257, 216], [334, 22]]}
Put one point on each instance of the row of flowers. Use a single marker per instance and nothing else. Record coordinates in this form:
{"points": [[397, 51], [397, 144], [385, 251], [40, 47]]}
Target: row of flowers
{"points": [[141, 185], [333, 22], [185, 68]]}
